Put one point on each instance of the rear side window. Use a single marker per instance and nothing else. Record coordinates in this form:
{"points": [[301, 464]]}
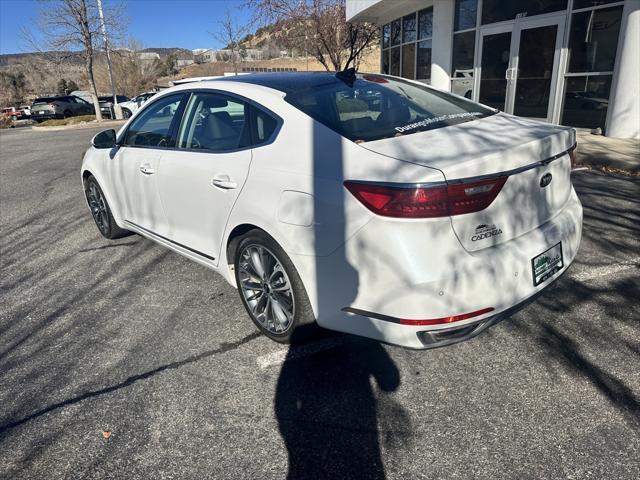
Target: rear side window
{"points": [[263, 126], [152, 128], [376, 107], [214, 122]]}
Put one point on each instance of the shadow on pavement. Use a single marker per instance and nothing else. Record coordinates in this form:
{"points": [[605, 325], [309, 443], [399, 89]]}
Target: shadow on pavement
{"points": [[328, 406]]}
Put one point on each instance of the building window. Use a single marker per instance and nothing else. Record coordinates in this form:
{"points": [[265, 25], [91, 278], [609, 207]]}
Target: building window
{"points": [[424, 60], [395, 32], [500, 10], [394, 63], [409, 28], [464, 44], [408, 61], [386, 35], [466, 12], [578, 4], [593, 41], [406, 46]]}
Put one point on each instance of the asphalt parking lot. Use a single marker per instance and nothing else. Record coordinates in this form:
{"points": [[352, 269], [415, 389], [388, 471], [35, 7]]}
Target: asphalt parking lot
{"points": [[124, 360]]}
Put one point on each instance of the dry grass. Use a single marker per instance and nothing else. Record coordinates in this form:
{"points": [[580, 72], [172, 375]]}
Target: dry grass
{"points": [[5, 121]]}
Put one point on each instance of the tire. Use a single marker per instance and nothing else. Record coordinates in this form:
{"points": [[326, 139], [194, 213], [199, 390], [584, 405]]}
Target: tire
{"points": [[126, 113], [301, 324], [67, 113], [101, 211]]}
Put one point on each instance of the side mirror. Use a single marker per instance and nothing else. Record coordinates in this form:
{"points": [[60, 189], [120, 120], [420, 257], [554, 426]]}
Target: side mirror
{"points": [[105, 139]]}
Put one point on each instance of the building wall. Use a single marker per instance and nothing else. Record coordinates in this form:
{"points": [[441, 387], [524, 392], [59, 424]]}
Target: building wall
{"points": [[622, 117]]}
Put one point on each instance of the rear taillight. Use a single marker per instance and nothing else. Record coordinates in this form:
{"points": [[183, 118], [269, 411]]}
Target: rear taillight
{"points": [[424, 201]]}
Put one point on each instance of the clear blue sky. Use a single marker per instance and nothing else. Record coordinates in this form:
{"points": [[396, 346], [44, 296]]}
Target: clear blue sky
{"points": [[153, 23]]}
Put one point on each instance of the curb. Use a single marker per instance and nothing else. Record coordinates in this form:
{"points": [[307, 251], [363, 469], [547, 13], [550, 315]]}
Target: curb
{"points": [[83, 125]]}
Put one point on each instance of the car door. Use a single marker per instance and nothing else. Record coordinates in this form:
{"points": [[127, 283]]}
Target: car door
{"points": [[85, 108], [201, 179], [74, 106], [135, 165]]}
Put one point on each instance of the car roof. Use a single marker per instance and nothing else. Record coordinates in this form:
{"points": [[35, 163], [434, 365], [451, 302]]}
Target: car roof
{"points": [[286, 82]]}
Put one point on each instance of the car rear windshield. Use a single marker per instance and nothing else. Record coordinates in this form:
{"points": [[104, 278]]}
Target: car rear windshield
{"points": [[45, 100], [374, 107]]}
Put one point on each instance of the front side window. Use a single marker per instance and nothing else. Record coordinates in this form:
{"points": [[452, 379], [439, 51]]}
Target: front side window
{"points": [[152, 128], [215, 123], [377, 107]]}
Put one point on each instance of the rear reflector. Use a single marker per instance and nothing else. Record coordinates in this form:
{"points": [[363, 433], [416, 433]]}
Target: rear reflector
{"points": [[439, 321], [427, 202], [418, 322]]}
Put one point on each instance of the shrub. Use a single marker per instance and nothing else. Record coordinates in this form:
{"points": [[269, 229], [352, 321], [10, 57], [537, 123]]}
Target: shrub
{"points": [[5, 121]]}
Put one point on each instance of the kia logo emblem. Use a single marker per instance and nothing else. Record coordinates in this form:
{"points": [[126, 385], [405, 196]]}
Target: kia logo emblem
{"points": [[545, 180]]}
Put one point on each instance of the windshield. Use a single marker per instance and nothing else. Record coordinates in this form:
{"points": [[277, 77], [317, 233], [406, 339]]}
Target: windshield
{"points": [[377, 107]]}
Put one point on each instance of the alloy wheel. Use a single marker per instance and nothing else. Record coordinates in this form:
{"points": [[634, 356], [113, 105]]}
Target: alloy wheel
{"points": [[98, 207], [266, 288]]}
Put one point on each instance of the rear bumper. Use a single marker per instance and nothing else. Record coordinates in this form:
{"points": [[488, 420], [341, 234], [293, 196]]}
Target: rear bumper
{"points": [[419, 270], [105, 111], [45, 116]]}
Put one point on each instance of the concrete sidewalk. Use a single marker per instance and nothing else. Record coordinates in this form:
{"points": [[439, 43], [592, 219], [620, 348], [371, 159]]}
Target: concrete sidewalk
{"points": [[606, 153]]}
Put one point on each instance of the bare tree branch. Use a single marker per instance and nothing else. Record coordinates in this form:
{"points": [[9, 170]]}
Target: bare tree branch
{"points": [[319, 28], [74, 25], [230, 33]]}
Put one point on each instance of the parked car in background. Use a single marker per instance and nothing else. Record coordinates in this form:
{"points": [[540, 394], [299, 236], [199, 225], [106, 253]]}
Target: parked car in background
{"points": [[46, 108], [83, 94], [26, 111], [132, 106], [106, 104], [415, 217], [14, 112]]}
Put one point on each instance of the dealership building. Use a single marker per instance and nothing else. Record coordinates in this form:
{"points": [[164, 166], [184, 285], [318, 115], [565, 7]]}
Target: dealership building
{"points": [[573, 62]]}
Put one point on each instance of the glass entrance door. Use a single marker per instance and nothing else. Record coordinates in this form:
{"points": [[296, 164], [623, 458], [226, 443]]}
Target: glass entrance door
{"points": [[518, 67], [536, 68], [495, 58]]}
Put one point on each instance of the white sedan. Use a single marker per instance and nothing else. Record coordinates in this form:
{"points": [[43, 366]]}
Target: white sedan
{"points": [[366, 204]]}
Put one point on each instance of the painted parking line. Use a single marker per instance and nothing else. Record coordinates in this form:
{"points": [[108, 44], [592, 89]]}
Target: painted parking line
{"points": [[291, 353], [606, 270]]}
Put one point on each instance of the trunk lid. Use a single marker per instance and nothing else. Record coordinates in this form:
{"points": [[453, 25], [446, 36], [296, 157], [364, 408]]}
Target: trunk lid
{"points": [[531, 153]]}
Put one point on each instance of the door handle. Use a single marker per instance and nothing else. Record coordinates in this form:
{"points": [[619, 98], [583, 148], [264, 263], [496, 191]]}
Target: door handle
{"points": [[147, 169], [224, 182]]}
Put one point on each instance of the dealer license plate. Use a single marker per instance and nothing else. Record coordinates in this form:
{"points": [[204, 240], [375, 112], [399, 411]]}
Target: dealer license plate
{"points": [[546, 264]]}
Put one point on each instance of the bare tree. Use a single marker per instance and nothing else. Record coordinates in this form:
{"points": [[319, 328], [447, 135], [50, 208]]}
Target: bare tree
{"points": [[231, 34], [68, 25], [13, 87], [133, 73], [319, 28]]}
